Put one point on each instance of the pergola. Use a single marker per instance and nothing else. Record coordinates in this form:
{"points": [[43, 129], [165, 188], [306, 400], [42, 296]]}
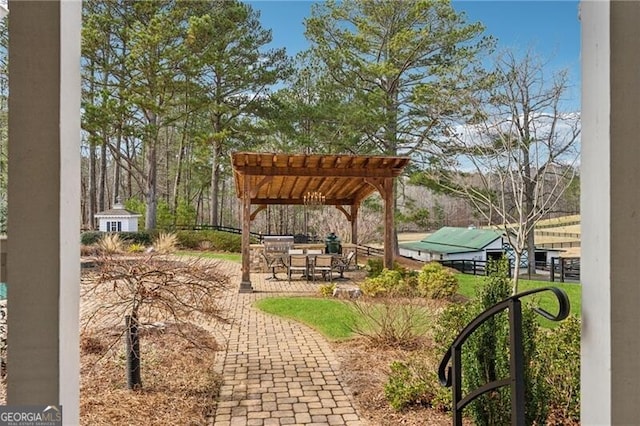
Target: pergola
{"points": [[344, 180]]}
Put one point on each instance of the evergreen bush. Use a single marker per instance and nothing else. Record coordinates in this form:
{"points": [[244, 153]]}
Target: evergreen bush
{"points": [[485, 357], [558, 353], [437, 282], [213, 240], [374, 267], [408, 384], [141, 237], [393, 283], [551, 360], [90, 237]]}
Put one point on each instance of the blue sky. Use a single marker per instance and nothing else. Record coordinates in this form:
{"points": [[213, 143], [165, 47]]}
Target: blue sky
{"points": [[551, 28]]}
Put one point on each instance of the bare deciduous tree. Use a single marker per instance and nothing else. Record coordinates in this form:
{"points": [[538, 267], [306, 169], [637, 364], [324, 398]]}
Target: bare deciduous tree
{"points": [[519, 155], [152, 289]]}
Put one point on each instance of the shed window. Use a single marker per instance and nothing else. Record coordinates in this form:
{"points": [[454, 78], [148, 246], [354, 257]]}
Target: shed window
{"points": [[115, 226]]}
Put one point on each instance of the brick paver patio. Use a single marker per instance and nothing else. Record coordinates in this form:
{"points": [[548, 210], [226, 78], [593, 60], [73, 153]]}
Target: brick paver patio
{"points": [[276, 371]]}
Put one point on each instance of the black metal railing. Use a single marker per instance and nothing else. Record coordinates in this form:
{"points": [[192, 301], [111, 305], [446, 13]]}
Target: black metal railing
{"points": [[451, 376]]}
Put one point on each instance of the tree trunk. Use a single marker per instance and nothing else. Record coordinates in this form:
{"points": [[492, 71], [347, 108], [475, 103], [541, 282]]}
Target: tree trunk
{"points": [[116, 168], [150, 195], [176, 181], [129, 173], [134, 379], [213, 213], [102, 187], [93, 207], [531, 251], [168, 139], [516, 271], [220, 221], [199, 212], [269, 219]]}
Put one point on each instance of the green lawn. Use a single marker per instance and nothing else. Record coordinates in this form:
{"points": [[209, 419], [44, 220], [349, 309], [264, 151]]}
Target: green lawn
{"points": [[330, 317], [334, 318], [546, 300], [233, 257]]}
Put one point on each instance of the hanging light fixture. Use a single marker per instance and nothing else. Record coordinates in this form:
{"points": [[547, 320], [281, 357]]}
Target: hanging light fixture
{"points": [[314, 199]]}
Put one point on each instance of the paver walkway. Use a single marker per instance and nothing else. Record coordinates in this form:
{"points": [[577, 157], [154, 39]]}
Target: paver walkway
{"points": [[276, 371]]}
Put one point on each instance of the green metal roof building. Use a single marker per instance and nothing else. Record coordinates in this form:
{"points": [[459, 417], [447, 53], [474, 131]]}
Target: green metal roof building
{"points": [[451, 243]]}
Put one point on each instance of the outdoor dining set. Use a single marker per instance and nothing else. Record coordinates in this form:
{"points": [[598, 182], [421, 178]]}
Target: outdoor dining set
{"points": [[310, 263], [313, 263]]}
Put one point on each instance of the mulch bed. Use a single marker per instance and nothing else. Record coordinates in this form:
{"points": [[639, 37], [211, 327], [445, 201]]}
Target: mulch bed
{"points": [[179, 384], [365, 371]]}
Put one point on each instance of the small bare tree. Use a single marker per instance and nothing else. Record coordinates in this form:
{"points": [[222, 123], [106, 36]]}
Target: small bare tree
{"points": [[519, 155], [152, 289]]}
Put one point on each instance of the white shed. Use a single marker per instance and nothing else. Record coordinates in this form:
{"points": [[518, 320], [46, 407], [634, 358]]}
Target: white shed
{"points": [[118, 219]]}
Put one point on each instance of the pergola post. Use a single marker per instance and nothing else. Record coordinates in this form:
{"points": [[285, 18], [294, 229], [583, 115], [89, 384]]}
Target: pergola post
{"points": [[245, 284], [389, 237], [354, 224]]}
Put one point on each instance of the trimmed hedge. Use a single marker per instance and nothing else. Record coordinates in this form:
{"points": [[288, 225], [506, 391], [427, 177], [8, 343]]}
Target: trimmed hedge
{"points": [[90, 237], [210, 240], [194, 240], [141, 237]]}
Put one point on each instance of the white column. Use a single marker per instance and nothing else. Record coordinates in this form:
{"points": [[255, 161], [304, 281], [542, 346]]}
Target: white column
{"points": [[610, 207], [44, 199]]}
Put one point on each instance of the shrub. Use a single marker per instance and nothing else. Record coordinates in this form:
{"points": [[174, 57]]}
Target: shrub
{"points": [[226, 241], [326, 290], [215, 240], [110, 243], [559, 353], [190, 239], [135, 248], [88, 250], [90, 237], [166, 243], [391, 322], [141, 237], [409, 384], [485, 356], [374, 267], [387, 283], [436, 282]]}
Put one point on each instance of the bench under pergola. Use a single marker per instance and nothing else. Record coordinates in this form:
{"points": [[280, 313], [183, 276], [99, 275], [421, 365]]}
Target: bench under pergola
{"points": [[344, 181]]}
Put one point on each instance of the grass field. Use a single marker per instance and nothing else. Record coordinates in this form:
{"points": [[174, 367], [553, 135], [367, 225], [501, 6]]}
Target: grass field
{"points": [[232, 257], [559, 221], [546, 300]]}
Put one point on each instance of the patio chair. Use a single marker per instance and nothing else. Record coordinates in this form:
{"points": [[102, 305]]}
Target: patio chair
{"points": [[298, 262], [323, 264], [343, 263], [271, 262]]}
